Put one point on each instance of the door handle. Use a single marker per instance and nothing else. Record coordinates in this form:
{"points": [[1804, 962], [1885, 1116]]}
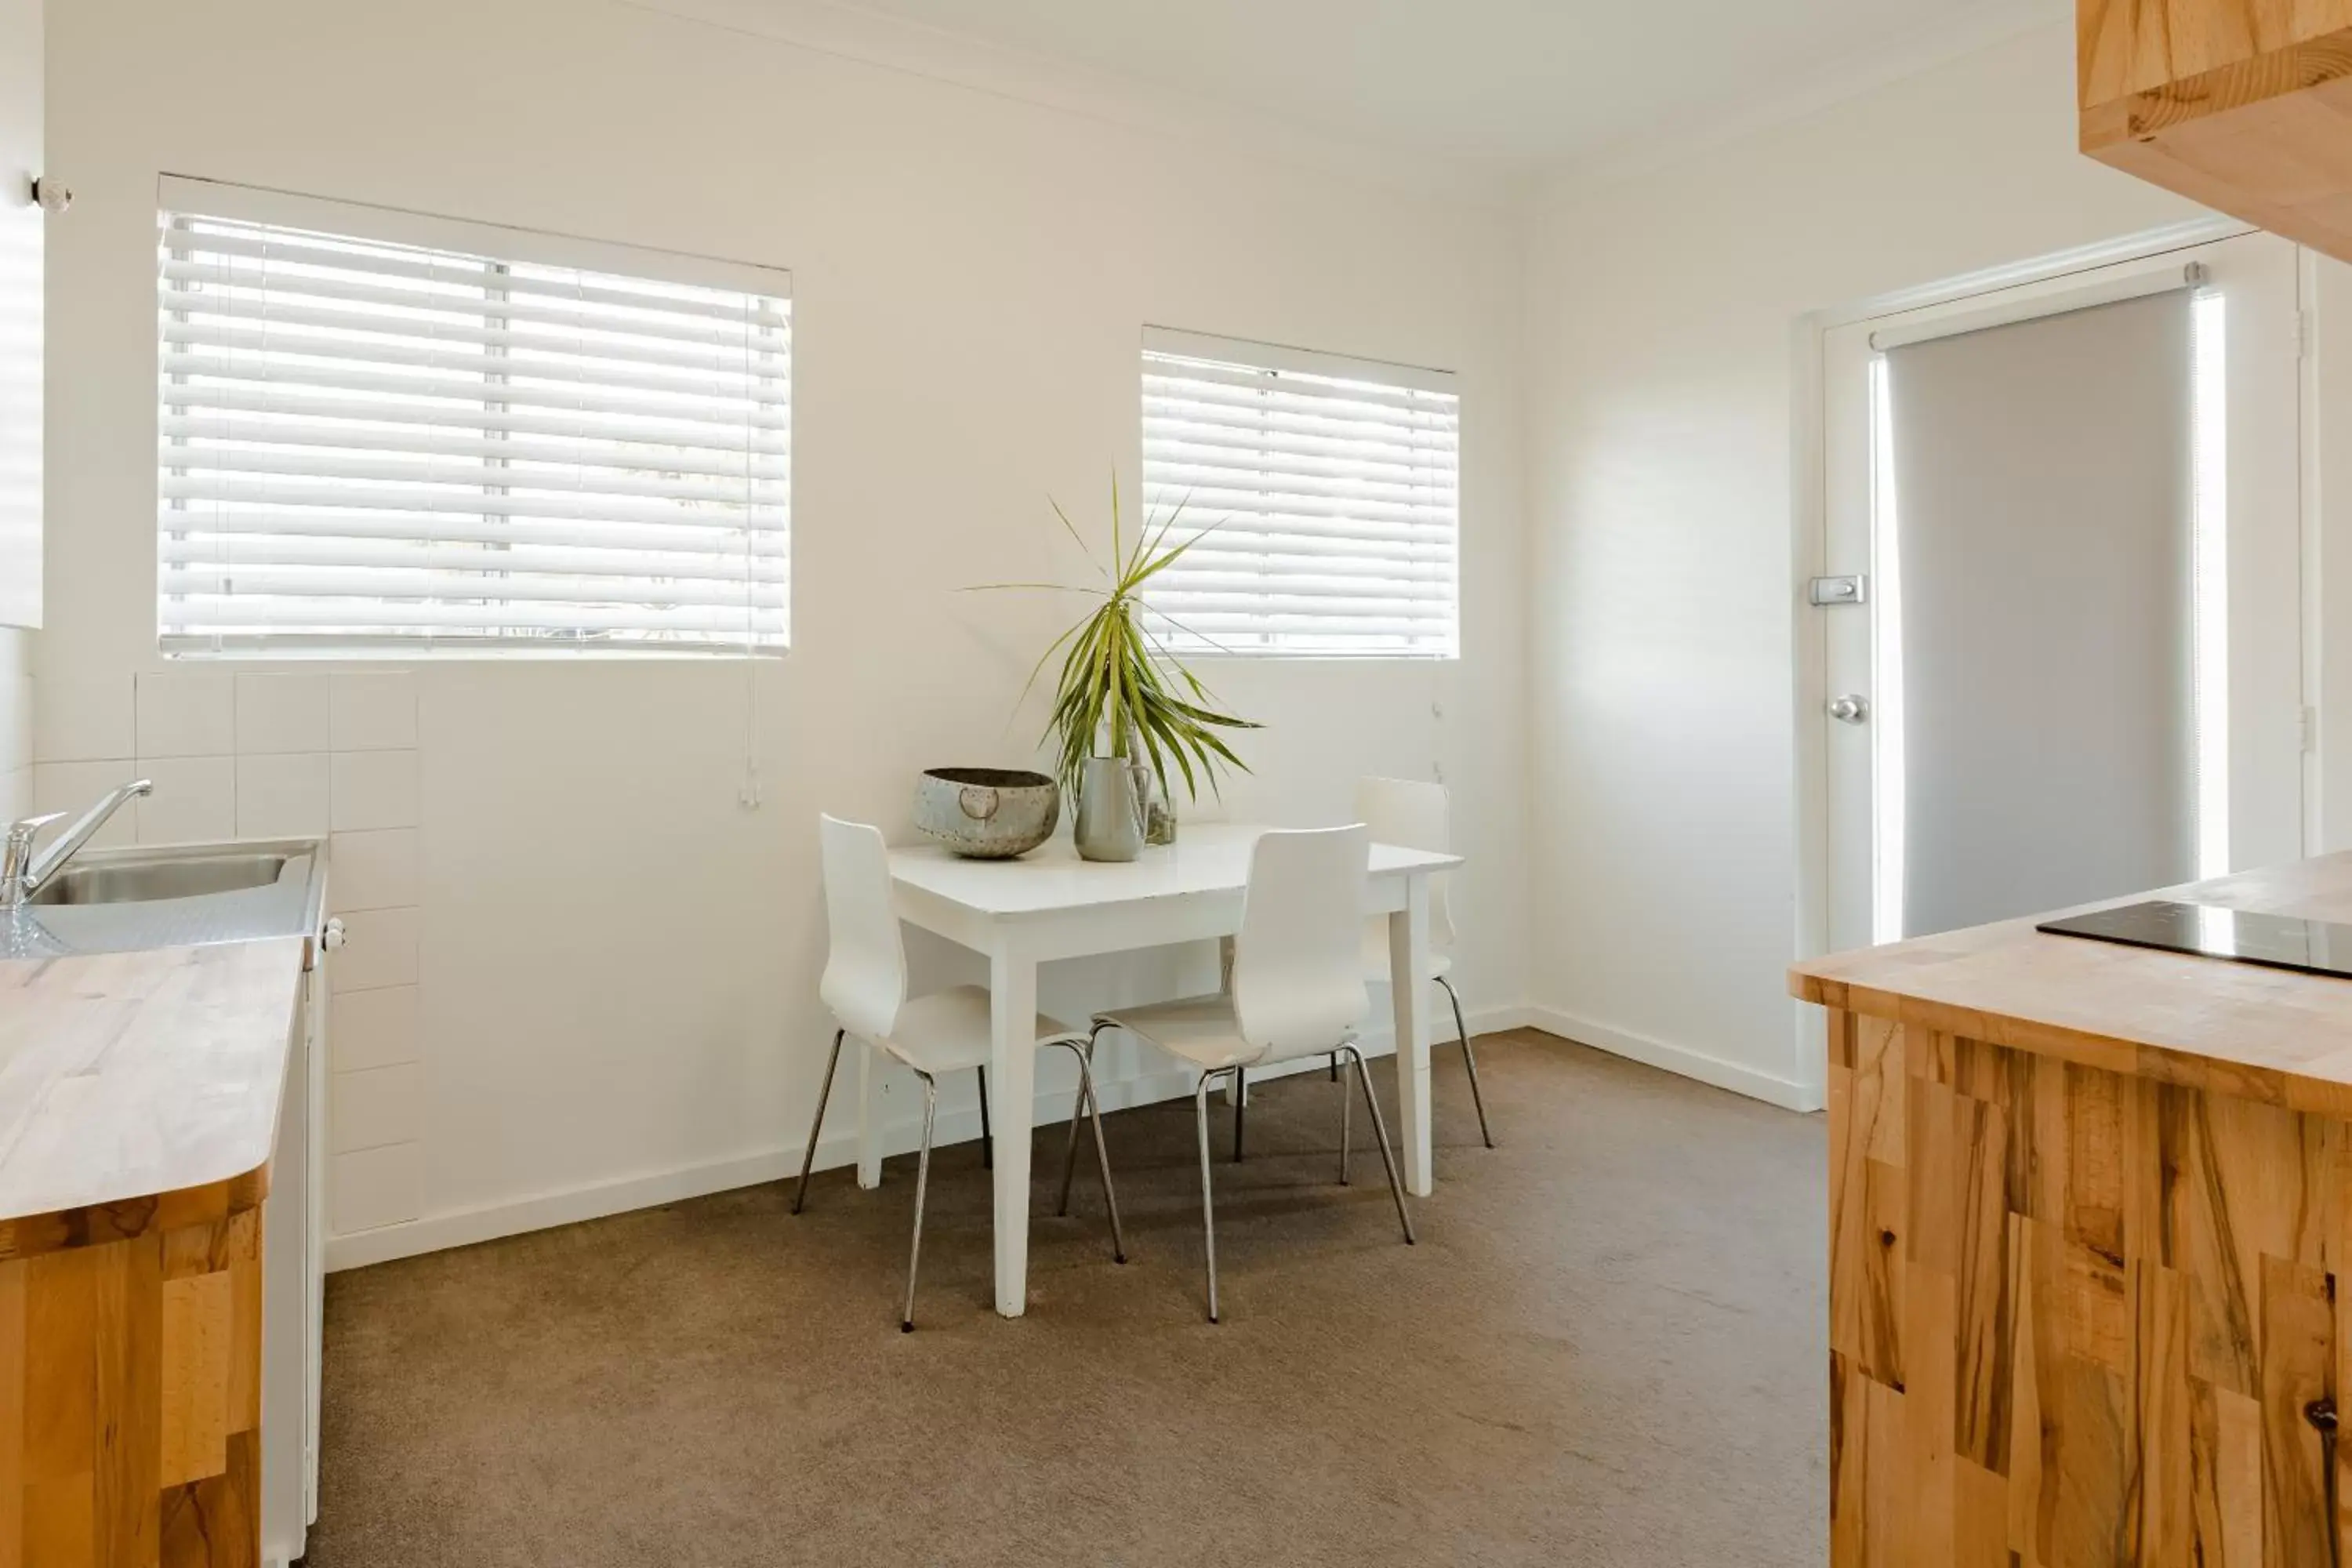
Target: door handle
{"points": [[1850, 709]]}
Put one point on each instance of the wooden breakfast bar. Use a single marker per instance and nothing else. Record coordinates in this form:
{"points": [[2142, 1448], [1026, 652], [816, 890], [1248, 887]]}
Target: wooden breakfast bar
{"points": [[2088, 1208]]}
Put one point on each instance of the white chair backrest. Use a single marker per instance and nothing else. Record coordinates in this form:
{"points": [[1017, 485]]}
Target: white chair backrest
{"points": [[1413, 814], [865, 979], [1298, 980]]}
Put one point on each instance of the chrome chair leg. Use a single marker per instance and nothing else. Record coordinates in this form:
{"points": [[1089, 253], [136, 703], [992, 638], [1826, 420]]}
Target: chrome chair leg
{"points": [[1469, 1059], [987, 1144], [1208, 1205], [1380, 1134], [1344, 1103], [1241, 1108], [816, 1122], [922, 1180], [1086, 1097], [1092, 1107]]}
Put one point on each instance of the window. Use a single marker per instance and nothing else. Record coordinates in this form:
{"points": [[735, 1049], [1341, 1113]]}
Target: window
{"points": [[1330, 489], [385, 433]]}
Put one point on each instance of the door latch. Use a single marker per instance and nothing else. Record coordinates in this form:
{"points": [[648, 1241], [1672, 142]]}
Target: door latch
{"points": [[1828, 591]]}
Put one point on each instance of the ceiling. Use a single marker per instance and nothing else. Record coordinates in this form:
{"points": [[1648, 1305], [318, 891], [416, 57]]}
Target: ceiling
{"points": [[1521, 86]]}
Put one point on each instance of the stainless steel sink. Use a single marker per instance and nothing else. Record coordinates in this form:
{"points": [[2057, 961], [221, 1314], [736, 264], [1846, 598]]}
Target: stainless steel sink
{"points": [[131, 899], [139, 881]]}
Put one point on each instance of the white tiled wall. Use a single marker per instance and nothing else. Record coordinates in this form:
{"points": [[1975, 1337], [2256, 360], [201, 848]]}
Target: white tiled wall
{"points": [[375, 1163], [374, 789], [282, 794], [280, 714], [274, 756], [372, 1187]]}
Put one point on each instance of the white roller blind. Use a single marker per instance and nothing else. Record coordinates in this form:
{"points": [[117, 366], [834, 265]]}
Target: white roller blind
{"points": [[1332, 489], [386, 432], [2041, 513]]}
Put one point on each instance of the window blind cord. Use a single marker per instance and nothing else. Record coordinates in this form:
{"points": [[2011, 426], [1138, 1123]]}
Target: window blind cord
{"points": [[748, 796]]}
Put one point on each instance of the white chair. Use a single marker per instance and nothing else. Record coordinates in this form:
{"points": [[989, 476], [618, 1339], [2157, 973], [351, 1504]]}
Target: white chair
{"points": [[865, 984], [1413, 814], [1298, 990]]}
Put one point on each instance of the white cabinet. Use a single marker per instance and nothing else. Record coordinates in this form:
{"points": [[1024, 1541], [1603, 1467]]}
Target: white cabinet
{"points": [[293, 1288], [21, 224]]}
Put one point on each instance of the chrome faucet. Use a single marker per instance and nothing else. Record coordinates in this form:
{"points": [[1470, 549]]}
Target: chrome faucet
{"points": [[24, 873]]}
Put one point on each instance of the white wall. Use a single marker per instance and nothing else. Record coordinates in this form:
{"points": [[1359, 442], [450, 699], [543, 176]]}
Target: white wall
{"points": [[614, 964], [15, 723], [1662, 311]]}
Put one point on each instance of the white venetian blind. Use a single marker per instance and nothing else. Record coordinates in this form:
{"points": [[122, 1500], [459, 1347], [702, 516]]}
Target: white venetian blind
{"points": [[1331, 490], [382, 432]]}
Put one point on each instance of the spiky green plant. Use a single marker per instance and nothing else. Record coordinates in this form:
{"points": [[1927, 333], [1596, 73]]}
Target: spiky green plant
{"points": [[1121, 687]]}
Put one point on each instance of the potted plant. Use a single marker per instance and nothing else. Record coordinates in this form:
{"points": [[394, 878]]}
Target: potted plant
{"points": [[1125, 708]]}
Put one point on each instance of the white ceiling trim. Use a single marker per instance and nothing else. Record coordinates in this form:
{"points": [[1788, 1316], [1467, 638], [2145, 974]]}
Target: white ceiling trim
{"points": [[1837, 81], [896, 44]]}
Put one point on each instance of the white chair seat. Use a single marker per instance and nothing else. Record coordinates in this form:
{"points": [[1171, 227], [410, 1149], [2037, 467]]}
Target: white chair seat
{"points": [[864, 986], [1376, 956], [1201, 1030], [948, 1031]]}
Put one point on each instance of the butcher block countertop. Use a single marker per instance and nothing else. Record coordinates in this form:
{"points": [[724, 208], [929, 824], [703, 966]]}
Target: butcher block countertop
{"points": [[131, 1076], [2268, 1034]]}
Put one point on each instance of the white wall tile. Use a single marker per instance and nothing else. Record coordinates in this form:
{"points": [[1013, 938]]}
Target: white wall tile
{"points": [[373, 1028], [380, 949], [372, 1187], [374, 711], [281, 713], [374, 789], [282, 796], [187, 714], [82, 719], [76, 786], [373, 870], [16, 793], [374, 1106], [194, 800]]}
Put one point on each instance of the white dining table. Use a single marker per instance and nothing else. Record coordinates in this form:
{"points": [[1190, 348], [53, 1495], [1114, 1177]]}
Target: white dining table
{"points": [[1050, 904]]}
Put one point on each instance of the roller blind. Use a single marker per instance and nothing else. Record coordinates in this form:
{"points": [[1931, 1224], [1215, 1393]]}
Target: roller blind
{"points": [[1330, 490], [380, 432], [2042, 518]]}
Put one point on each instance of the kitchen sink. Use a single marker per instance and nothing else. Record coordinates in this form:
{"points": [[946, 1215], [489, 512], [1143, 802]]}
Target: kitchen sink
{"points": [[145, 896], [139, 881]]}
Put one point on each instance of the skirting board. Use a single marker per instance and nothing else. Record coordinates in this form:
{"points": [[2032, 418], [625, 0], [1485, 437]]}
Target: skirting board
{"points": [[836, 1147], [1786, 1093]]}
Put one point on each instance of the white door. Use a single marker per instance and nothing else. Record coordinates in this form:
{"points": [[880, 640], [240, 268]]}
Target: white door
{"points": [[2099, 677]]}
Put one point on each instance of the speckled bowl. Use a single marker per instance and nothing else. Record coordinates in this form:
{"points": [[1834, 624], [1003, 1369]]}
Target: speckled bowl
{"points": [[987, 813]]}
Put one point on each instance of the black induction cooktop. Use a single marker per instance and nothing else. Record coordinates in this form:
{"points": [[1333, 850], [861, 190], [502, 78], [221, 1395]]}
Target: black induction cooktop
{"points": [[2278, 941]]}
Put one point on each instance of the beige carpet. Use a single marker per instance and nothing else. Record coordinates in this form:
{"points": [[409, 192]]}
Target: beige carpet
{"points": [[1608, 1348]]}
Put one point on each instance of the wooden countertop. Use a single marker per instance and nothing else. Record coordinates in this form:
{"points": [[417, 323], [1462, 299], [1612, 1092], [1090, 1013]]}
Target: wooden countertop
{"points": [[2269, 1035], [129, 1076]]}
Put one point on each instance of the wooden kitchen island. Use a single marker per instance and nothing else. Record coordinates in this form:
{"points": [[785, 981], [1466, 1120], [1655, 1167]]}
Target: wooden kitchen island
{"points": [[2089, 1206]]}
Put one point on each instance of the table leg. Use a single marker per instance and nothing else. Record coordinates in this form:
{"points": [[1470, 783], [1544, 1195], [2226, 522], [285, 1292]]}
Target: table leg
{"points": [[1011, 1087], [1409, 988], [870, 1068]]}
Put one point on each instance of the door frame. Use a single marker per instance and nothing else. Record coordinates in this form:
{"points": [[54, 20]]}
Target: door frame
{"points": [[1808, 526]]}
